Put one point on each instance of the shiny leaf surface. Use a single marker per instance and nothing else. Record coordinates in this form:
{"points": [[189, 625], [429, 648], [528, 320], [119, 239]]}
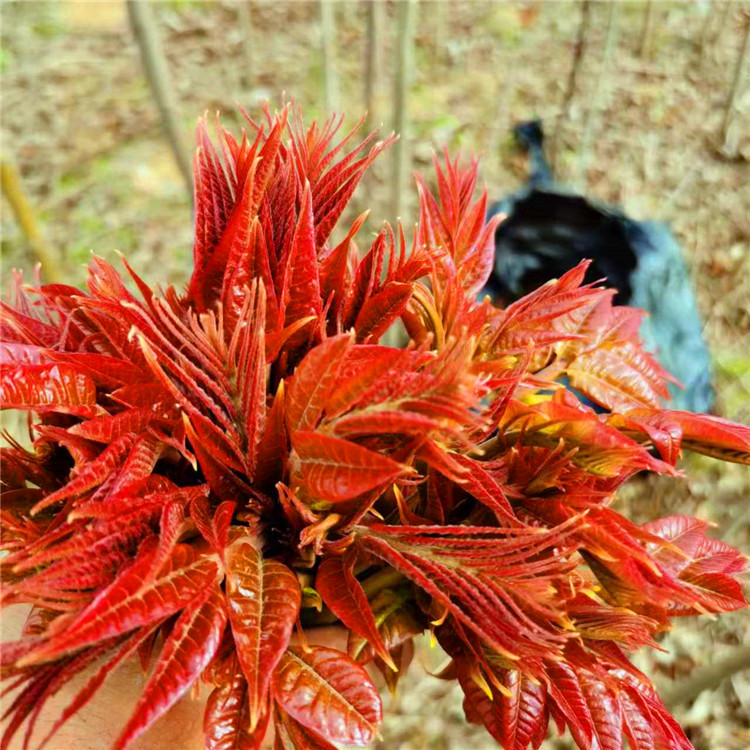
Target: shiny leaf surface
{"points": [[264, 599], [329, 693]]}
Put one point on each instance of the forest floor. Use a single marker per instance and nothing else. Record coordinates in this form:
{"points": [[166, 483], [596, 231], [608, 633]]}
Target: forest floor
{"points": [[79, 122]]}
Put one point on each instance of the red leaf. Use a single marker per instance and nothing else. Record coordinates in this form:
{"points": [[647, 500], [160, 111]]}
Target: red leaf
{"points": [[189, 648], [313, 382], [127, 603], [212, 205], [604, 709], [273, 445], [602, 450], [701, 433], [479, 709], [482, 486], [397, 620], [301, 295], [84, 695], [516, 718], [484, 576], [222, 480], [110, 428], [234, 246], [386, 422], [93, 474], [264, 599], [566, 695], [381, 310], [333, 268], [106, 372], [364, 366], [48, 388], [344, 596], [523, 713], [301, 738], [336, 470], [226, 720], [330, 694]]}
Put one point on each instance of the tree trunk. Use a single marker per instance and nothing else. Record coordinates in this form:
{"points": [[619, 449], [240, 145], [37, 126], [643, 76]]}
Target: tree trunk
{"points": [[647, 32], [441, 25]]}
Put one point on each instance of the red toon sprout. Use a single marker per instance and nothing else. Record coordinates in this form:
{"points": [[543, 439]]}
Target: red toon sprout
{"points": [[214, 470]]}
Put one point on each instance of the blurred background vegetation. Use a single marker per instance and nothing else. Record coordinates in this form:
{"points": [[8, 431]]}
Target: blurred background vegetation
{"points": [[647, 105]]}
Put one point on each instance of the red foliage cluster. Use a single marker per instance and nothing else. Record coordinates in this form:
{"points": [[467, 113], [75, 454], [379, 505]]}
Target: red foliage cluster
{"points": [[215, 470]]}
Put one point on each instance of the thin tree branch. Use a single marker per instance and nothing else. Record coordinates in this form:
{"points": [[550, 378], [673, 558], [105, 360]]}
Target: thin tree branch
{"points": [[739, 70], [373, 58], [157, 73], [328, 47], [599, 101], [244, 21], [13, 190], [709, 677], [578, 51], [405, 22]]}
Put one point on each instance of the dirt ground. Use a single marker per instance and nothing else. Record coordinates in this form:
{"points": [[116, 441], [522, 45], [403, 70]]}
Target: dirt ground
{"points": [[644, 130]]}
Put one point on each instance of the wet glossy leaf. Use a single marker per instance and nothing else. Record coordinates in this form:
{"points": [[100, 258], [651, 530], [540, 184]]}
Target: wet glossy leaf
{"points": [[344, 596], [226, 721], [326, 691], [48, 388], [264, 599], [187, 651], [129, 603], [314, 382], [335, 470]]}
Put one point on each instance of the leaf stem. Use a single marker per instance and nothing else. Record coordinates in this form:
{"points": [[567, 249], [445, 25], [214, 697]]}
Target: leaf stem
{"points": [[383, 579]]}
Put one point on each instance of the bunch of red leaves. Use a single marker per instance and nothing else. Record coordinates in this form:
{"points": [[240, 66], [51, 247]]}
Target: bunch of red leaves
{"points": [[215, 469]]}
